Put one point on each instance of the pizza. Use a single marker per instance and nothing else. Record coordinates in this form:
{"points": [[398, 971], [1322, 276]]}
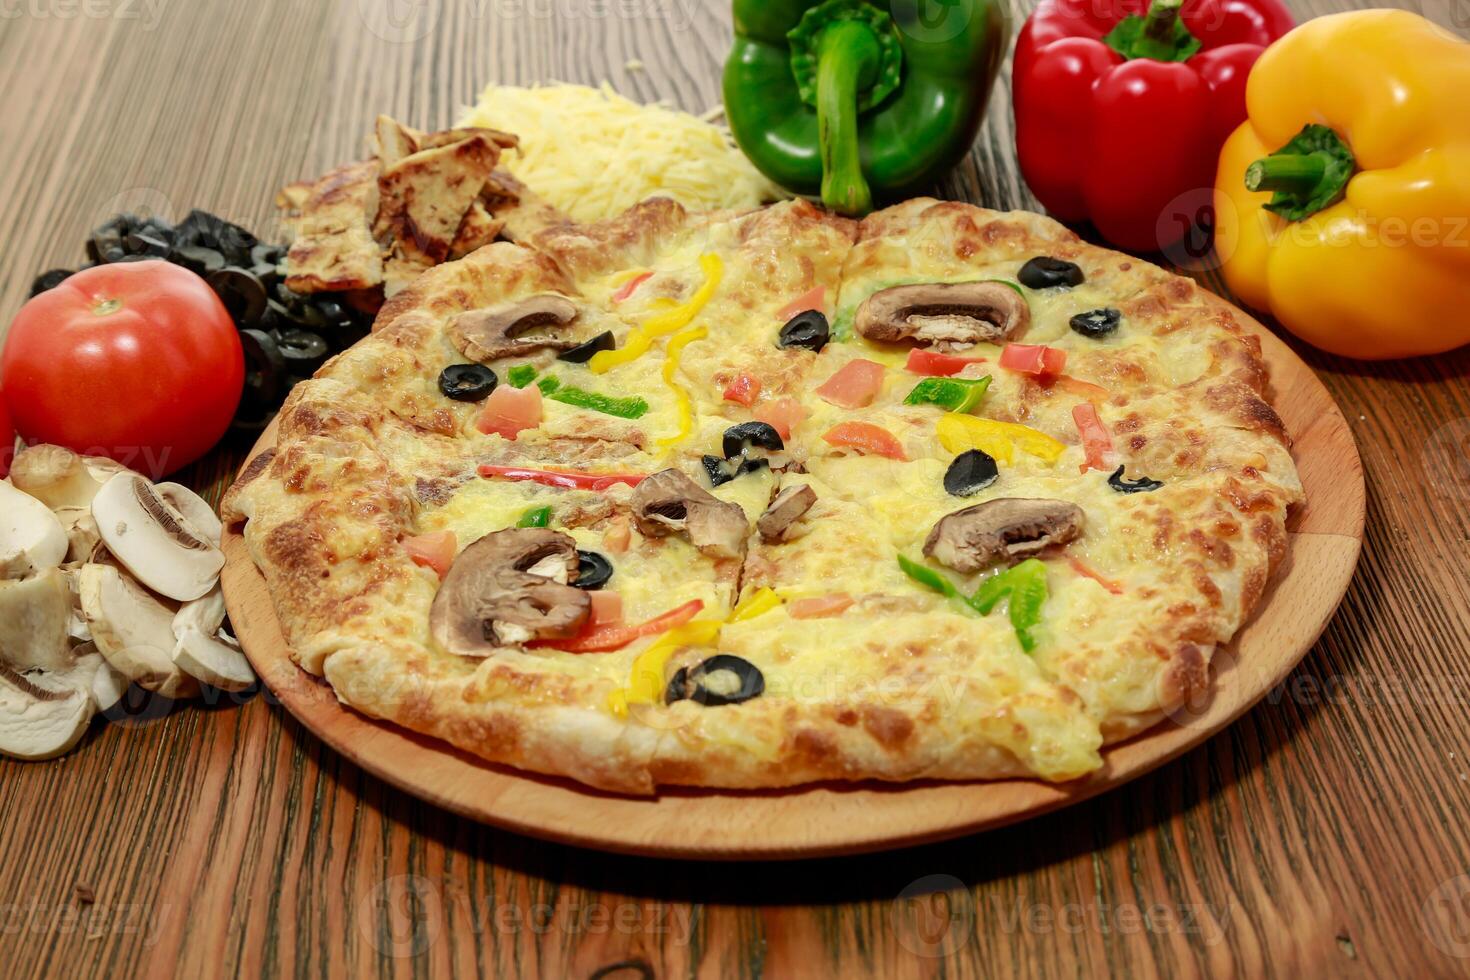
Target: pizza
{"points": [[766, 498]]}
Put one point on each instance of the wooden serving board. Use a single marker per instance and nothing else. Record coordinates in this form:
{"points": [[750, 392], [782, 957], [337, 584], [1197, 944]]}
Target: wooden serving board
{"points": [[1326, 535]]}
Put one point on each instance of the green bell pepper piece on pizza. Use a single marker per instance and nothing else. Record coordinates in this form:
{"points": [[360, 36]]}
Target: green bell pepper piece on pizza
{"points": [[1025, 584], [535, 517], [954, 394], [927, 576], [624, 408], [858, 100]]}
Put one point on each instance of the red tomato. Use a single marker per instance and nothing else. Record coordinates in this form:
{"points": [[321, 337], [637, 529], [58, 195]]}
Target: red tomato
{"points": [[744, 390], [819, 607], [138, 361], [783, 415], [816, 299], [937, 365], [1079, 387], [866, 438], [627, 288], [1044, 362], [1097, 443], [508, 410], [607, 609], [7, 440], [435, 550], [855, 384]]}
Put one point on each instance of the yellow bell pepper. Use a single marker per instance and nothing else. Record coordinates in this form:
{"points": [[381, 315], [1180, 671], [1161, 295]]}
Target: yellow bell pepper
{"points": [[1343, 202], [672, 352], [677, 317], [958, 433], [646, 680]]}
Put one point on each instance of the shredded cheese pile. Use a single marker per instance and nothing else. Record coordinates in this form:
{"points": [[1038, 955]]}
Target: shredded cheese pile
{"points": [[593, 153]]}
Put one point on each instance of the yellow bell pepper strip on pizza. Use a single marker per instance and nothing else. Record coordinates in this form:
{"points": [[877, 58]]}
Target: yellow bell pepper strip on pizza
{"points": [[641, 338], [958, 433], [1342, 203], [646, 681], [758, 603], [675, 347]]}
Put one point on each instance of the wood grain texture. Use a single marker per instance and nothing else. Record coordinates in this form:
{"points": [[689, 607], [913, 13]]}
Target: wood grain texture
{"points": [[1323, 833], [1326, 535]]}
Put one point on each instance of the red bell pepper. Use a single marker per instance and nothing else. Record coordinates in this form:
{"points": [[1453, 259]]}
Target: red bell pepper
{"points": [[566, 479], [603, 637], [1122, 107]]}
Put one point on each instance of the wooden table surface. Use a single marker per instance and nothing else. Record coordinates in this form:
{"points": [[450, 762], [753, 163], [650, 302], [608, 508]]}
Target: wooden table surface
{"points": [[1323, 833]]}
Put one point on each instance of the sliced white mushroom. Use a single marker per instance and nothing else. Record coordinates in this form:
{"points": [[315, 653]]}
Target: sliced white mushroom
{"points": [[213, 660], [195, 510], [58, 477], [133, 630], [154, 541], [35, 622], [105, 683], [82, 535], [32, 540], [205, 652], [41, 715]]}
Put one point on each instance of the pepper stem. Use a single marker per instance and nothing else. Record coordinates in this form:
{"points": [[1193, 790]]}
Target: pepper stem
{"points": [[1160, 35], [1158, 25], [1291, 172], [1309, 173], [848, 58]]}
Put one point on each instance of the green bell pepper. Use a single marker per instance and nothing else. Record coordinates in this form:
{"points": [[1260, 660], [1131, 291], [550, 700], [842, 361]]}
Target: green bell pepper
{"points": [[535, 517], [954, 394], [857, 99], [1026, 586]]}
